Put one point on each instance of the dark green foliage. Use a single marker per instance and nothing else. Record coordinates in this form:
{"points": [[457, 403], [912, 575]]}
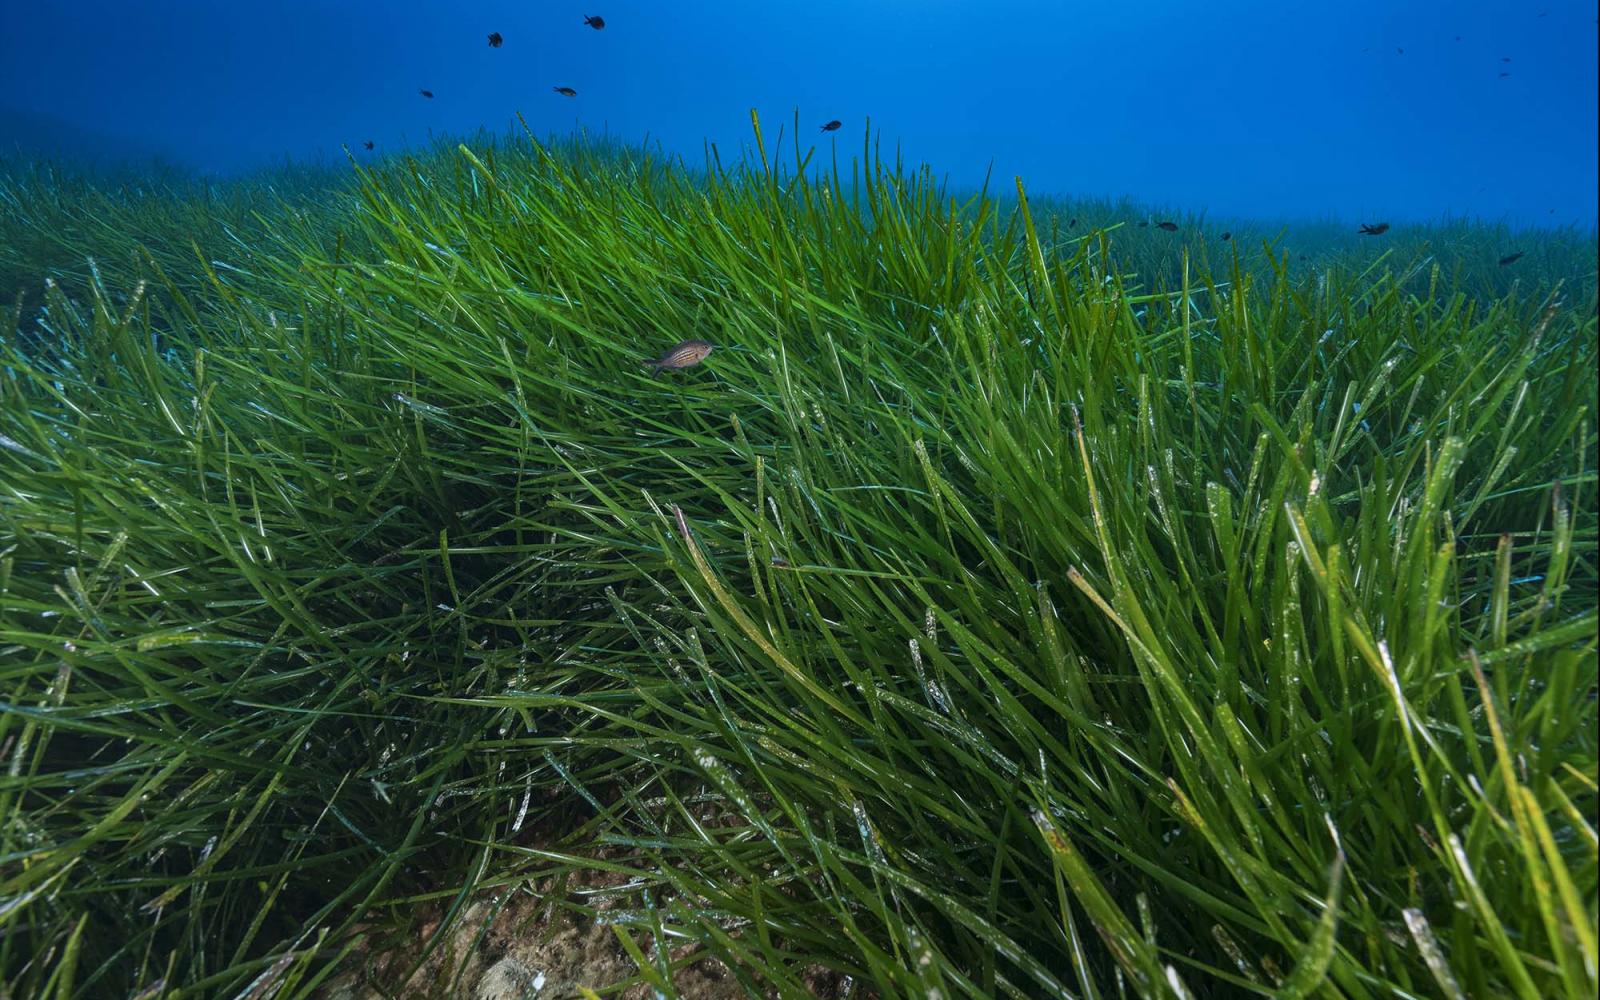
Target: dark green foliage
{"points": [[1007, 612]]}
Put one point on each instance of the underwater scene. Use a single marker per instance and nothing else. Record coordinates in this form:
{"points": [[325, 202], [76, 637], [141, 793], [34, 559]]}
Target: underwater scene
{"points": [[535, 501]]}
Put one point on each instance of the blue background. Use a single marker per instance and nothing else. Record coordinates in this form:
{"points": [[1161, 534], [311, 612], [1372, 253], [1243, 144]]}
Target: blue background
{"points": [[1240, 107]]}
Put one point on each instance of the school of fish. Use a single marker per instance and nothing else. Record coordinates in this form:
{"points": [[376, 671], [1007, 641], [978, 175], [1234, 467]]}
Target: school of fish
{"points": [[688, 353]]}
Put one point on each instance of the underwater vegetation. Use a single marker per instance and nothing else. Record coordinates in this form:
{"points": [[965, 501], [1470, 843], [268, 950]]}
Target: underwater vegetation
{"points": [[1026, 603]]}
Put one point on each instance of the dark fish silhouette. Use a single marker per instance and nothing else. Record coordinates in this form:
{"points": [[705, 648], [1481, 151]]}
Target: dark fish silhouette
{"points": [[833, 126], [684, 354], [1376, 230], [367, 144], [1505, 58], [1144, 224], [1458, 38], [495, 40], [1511, 258], [1226, 237], [1071, 223], [1400, 51], [1504, 75], [426, 93], [1170, 227], [595, 21], [565, 91]]}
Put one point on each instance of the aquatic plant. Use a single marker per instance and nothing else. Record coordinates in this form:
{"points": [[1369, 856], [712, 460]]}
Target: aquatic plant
{"points": [[1018, 613]]}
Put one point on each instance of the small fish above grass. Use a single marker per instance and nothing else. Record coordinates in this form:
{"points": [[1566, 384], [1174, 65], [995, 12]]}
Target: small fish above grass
{"points": [[426, 93], [565, 91], [832, 126], [367, 145], [595, 21], [496, 40], [1375, 229], [1170, 227], [684, 354], [1511, 258], [1226, 237]]}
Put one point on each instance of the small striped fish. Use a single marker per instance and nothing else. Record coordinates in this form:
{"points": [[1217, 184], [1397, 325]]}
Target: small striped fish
{"points": [[686, 354]]}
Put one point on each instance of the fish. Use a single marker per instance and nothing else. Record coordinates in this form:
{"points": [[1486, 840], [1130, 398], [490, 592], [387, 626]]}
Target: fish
{"points": [[1226, 237], [495, 39], [594, 21], [684, 354], [1511, 258], [426, 93], [1071, 223], [367, 144], [1504, 75], [1505, 58], [1170, 227], [1374, 230], [1400, 50], [565, 91], [1144, 224], [832, 126]]}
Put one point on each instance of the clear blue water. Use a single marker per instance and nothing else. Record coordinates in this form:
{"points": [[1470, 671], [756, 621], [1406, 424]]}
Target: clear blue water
{"points": [[1238, 107]]}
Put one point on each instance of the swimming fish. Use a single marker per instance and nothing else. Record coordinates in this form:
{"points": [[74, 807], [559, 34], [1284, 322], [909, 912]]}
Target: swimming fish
{"points": [[1144, 223], [1170, 227], [367, 144], [596, 21], [684, 354], [833, 126], [1226, 237], [1071, 223], [1504, 75], [495, 39], [426, 93], [1505, 58], [1377, 230], [1511, 258], [565, 91]]}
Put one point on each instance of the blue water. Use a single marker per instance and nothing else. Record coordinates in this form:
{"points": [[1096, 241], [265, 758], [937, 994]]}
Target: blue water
{"points": [[1238, 107]]}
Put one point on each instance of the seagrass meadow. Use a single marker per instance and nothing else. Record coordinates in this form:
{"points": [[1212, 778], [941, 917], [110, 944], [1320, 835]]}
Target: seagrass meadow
{"points": [[1020, 602]]}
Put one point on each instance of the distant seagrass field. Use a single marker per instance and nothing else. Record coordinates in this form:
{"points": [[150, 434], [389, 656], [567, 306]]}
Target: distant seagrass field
{"points": [[551, 569]]}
